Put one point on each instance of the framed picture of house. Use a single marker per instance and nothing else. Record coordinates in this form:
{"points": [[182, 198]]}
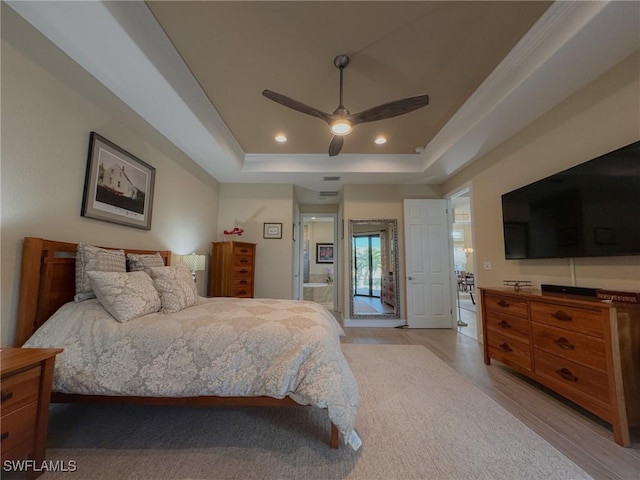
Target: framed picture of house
{"points": [[324, 252], [118, 186]]}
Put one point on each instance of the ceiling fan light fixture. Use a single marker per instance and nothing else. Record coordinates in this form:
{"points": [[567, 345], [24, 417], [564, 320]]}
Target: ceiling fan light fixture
{"points": [[280, 138], [340, 127], [341, 121], [380, 140]]}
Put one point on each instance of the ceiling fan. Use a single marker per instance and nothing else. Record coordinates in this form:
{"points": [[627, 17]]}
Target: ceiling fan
{"points": [[341, 121]]}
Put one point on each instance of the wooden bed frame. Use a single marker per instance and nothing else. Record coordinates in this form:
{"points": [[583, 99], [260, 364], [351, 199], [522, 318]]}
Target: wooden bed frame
{"points": [[48, 281]]}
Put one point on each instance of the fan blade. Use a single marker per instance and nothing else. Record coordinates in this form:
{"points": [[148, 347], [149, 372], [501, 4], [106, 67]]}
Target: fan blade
{"points": [[391, 109], [336, 145], [296, 105]]}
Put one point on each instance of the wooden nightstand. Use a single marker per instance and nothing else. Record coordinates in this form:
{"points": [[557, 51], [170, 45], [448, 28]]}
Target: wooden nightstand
{"points": [[26, 390]]}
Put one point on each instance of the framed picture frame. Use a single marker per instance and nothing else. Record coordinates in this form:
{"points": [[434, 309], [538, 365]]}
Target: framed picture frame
{"points": [[118, 186], [324, 252], [272, 230]]}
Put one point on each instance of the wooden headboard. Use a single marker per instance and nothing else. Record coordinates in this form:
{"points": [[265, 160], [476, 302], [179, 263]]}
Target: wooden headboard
{"points": [[48, 281]]}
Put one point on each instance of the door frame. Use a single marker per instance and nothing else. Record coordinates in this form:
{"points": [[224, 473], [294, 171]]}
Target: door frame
{"points": [[467, 188]]}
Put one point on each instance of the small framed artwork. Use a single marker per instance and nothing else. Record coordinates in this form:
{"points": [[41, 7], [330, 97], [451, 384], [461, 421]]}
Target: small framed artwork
{"points": [[272, 230], [324, 252], [118, 186]]}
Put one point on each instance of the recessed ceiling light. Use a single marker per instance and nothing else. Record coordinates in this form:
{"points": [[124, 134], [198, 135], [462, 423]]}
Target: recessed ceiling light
{"points": [[280, 138], [380, 140]]}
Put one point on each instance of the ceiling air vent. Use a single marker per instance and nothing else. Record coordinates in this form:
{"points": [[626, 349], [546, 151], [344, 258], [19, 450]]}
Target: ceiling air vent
{"points": [[328, 194], [331, 179]]}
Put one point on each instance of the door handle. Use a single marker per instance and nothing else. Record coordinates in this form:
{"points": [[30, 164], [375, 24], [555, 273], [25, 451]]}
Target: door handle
{"points": [[409, 278]]}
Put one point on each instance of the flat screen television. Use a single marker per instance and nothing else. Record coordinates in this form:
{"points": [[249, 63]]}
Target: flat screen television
{"points": [[590, 210]]}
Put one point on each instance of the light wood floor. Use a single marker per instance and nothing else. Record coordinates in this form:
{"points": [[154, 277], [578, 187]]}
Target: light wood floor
{"points": [[580, 436]]}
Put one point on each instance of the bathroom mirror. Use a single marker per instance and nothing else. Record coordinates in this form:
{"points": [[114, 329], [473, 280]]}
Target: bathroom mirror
{"points": [[373, 277]]}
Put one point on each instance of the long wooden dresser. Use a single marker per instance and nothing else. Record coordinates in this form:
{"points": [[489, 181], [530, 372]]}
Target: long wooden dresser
{"points": [[232, 269], [26, 388], [585, 349]]}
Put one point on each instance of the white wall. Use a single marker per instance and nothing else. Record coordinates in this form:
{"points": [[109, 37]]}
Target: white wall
{"points": [[601, 117], [249, 206], [49, 107]]}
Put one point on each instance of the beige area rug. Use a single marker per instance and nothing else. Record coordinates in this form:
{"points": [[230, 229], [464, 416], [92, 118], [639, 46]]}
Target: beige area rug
{"points": [[419, 419]]}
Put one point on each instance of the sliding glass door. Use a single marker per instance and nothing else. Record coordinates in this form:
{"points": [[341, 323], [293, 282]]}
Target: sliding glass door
{"points": [[367, 268]]}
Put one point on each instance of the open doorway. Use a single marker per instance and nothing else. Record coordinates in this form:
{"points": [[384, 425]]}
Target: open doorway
{"points": [[318, 259], [463, 259]]}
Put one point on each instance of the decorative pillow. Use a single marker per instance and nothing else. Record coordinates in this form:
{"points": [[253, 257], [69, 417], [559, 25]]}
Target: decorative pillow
{"points": [[90, 258], [125, 295], [176, 286], [141, 262]]}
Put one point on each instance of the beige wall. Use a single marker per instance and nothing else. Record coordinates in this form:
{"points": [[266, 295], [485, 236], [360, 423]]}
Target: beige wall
{"points": [[601, 117], [249, 206], [319, 232], [319, 208], [49, 107], [367, 202]]}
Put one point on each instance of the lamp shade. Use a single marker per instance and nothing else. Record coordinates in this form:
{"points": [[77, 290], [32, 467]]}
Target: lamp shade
{"points": [[194, 262]]}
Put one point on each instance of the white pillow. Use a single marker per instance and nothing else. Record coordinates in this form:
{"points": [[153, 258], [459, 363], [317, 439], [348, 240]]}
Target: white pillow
{"points": [[125, 295], [90, 258], [176, 286], [143, 262]]}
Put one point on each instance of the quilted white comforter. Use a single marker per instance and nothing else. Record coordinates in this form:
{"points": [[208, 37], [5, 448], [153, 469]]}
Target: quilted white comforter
{"points": [[221, 347]]}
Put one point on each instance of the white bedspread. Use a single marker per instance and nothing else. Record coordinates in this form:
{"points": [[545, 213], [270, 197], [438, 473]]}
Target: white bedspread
{"points": [[221, 347]]}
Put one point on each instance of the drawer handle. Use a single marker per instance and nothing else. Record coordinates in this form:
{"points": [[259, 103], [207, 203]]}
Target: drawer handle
{"points": [[4, 435], [562, 316], [564, 343], [505, 347], [244, 250], [244, 260], [504, 324], [6, 396], [243, 282], [243, 271], [242, 292], [567, 375], [503, 303]]}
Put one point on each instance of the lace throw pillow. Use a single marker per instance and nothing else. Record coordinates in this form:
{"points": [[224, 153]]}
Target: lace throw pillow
{"points": [[143, 262], [90, 258], [125, 295], [176, 286]]}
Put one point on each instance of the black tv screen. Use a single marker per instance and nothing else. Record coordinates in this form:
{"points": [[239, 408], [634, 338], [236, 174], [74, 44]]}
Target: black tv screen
{"points": [[590, 210]]}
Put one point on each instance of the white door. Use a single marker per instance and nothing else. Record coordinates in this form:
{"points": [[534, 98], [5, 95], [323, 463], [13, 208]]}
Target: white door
{"points": [[428, 269]]}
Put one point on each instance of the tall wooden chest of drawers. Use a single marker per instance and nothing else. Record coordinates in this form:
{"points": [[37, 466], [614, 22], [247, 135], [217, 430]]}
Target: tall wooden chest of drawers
{"points": [[584, 349], [232, 269], [26, 389]]}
